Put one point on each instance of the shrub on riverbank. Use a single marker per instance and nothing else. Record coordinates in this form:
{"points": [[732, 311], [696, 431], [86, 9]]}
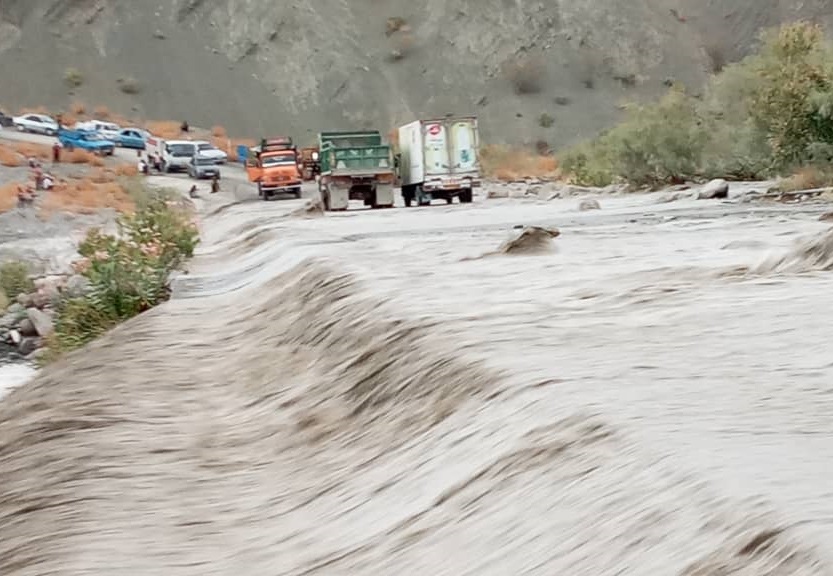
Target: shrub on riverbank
{"points": [[770, 114], [128, 273], [15, 280]]}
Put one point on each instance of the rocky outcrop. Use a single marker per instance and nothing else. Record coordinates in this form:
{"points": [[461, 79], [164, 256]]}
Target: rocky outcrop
{"points": [[26, 323]]}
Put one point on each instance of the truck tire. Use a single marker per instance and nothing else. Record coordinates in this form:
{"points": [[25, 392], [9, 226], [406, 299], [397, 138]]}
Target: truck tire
{"points": [[259, 190], [408, 195], [465, 196], [325, 199], [298, 192]]}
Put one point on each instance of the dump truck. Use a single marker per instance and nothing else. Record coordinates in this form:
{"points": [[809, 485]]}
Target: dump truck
{"points": [[273, 166], [309, 162], [438, 159], [355, 166]]}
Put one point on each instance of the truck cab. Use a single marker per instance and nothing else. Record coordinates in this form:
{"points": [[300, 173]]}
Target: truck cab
{"points": [[273, 166]]}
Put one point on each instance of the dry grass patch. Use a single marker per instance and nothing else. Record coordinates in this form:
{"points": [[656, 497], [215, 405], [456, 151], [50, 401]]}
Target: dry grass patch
{"points": [[10, 157], [126, 170], [164, 128], [8, 196], [79, 156], [807, 178], [86, 196], [32, 150], [509, 164], [102, 113], [78, 108]]}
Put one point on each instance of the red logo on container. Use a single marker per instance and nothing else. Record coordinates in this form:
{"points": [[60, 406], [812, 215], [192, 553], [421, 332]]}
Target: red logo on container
{"points": [[434, 129]]}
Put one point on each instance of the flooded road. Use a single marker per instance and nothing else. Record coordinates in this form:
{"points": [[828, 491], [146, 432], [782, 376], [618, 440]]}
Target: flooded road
{"points": [[362, 393]]}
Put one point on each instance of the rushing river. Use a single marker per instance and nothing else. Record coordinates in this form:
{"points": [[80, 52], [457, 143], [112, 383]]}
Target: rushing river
{"points": [[379, 392]]}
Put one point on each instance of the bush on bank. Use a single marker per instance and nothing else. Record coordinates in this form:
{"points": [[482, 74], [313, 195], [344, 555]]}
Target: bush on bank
{"points": [[768, 115], [128, 272]]}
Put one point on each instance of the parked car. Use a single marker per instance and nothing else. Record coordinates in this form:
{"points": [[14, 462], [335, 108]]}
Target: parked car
{"points": [[109, 130], [36, 123], [6, 121], [132, 138], [210, 151], [86, 140], [203, 167]]}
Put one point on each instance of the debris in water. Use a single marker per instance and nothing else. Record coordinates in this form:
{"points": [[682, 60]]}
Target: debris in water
{"points": [[312, 209], [531, 240]]}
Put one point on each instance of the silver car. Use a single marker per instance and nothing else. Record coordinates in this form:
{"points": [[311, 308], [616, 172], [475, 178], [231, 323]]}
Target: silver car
{"points": [[201, 167]]}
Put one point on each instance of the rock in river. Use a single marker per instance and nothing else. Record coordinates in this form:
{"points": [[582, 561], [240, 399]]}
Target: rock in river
{"points": [[41, 321]]}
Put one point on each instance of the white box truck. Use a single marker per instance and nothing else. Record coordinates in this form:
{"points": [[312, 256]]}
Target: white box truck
{"points": [[439, 159]]}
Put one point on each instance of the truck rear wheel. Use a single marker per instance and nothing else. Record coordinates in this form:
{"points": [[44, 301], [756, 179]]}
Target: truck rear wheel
{"points": [[465, 196], [408, 195]]}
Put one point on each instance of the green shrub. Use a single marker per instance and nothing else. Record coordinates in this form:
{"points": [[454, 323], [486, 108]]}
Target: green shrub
{"points": [[129, 272], [15, 280], [73, 77], [545, 120], [770, 114], [656, 144], [129, 85]]}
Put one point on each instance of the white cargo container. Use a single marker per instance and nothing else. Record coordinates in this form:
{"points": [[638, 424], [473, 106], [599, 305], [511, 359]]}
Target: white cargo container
{"points": [[439, 159]]}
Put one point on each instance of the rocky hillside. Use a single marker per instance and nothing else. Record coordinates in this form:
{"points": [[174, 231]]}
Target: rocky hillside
{"points": [[533, 70]]}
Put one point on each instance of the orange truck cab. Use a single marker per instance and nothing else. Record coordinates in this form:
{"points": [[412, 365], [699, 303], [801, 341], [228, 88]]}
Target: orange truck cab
{"points": [[273, 166]]}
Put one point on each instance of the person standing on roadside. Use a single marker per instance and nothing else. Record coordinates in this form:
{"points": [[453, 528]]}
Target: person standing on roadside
{"points": [[215, 184], [56, 152]]}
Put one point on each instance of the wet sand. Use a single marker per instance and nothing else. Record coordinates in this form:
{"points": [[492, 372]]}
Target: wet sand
{"points": [[355, 394]]}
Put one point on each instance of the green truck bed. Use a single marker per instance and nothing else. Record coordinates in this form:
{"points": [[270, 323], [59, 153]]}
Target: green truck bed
{"points": [[348, 153]]}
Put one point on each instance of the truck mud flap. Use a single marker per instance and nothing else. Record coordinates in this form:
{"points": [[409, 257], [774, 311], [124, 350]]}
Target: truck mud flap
{"points": [[384, 196]]}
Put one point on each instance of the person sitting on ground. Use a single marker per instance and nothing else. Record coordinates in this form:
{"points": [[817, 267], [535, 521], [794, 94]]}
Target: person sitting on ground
{"points": [[38, 176], [48, 181], [142, 166], [193, 192], [25, 196], [184, 127]]}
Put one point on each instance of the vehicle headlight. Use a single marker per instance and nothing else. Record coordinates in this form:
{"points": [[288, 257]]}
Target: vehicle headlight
{"points": [[315, 155]]}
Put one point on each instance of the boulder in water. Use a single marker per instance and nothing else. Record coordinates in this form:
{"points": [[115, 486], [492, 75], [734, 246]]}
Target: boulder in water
{"points": [[588, 204], [531, 240], [828, 217], [715, 189]]}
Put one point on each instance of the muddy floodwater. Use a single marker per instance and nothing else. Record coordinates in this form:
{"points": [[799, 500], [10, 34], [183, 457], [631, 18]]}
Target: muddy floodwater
{"points": [[384, 392]]}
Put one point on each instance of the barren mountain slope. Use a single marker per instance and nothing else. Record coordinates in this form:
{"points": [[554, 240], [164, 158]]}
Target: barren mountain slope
{"points": [[257, 66]]}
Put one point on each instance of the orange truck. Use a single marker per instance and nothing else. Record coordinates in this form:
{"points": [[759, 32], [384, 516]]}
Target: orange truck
{"points": [[273, 166]]}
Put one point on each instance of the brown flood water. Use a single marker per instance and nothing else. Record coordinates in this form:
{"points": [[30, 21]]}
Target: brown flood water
{"points": [[362, 394]]}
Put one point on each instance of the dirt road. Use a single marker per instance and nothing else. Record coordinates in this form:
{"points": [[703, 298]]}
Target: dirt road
{"points": [[356, 394]]}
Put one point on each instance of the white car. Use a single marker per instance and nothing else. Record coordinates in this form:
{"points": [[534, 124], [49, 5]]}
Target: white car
{"points": [[208, 150], [37, 123], [108, 130]]}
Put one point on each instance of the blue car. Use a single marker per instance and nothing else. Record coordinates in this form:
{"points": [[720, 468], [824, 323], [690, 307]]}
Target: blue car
{"points": [[132, 138], [85, 140]]}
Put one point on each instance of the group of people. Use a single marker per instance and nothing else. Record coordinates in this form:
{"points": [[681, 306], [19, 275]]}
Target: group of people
{"points": [[155, 161], [42, 180]]}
